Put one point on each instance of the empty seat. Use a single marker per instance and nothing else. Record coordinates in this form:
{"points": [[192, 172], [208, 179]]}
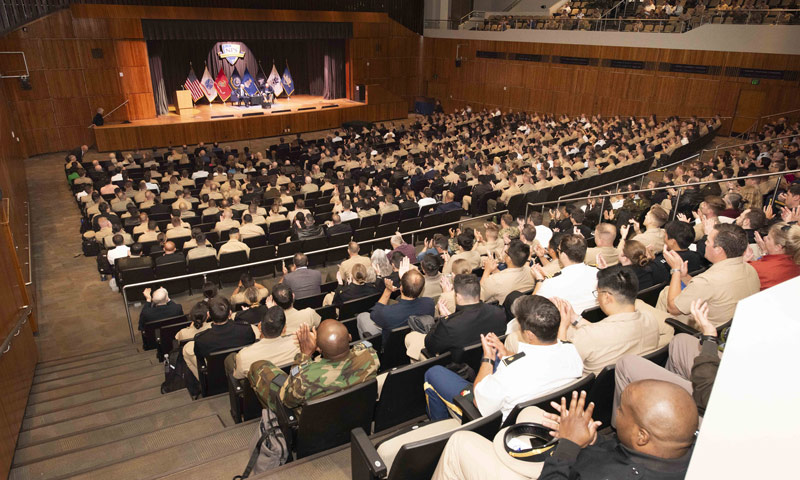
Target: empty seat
{"points": [[165, 336], [354, 307], [174, 269], [232, 259], [149, 330], [202, 264], [393, 353], [212, 372]]}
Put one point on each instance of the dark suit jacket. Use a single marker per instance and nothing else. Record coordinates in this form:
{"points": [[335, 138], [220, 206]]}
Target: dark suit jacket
{"points": [[152, 313], [252, 316], [447, 207], [303, 282], [126, 263], [221, 337], [177, 257], [160, 208], [464, 328], [340, 228]]}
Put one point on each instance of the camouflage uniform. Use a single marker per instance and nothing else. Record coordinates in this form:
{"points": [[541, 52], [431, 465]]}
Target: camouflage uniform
{"points": [[310, 379]]}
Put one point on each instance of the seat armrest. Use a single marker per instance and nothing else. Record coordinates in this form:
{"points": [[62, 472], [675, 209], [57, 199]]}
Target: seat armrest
{"points": [[286, 416], [469, 411], [362, 447], [158, 336], [235, 385], [681, 327]]}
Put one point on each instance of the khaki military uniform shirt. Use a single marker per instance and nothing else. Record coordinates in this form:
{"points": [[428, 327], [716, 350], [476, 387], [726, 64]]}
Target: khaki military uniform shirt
{"points": [[610, 254], [472, 257], [279, 351], [233, 246], [346, 267], [653, 237], [500, 284], [295, 318]]}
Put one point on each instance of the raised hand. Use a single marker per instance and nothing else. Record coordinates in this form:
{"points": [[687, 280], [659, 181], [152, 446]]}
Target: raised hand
{"points": [[488, 349], [699, 311], [682, 218], [443, 310], [538, 272], [446, 284], [762, 245], [601, 261], [768, 212], [405, 266], [574, 423], [307, 339]]}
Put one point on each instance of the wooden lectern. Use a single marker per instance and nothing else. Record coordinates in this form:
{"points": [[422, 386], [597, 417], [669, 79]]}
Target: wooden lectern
{"points": [[183, 103]]}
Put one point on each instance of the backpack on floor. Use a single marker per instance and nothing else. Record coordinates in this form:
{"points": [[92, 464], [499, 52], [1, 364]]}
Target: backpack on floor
{"points": [[90, 247], [177, 375], [268, 447]]}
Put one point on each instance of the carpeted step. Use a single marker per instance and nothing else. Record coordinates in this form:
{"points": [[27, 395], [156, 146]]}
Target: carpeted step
{"points": [[223, 467], [99, 374], [87, 358], [122, 379], [60, 444], [92, 367], [92, 459], [38, 407]]}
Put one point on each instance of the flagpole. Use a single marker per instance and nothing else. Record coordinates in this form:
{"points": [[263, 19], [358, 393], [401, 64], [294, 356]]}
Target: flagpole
{"points": [[191, 69], [288, 97]]}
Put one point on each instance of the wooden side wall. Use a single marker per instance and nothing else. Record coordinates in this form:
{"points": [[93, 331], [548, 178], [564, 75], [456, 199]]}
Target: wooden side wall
{"points": [[549, 87]]}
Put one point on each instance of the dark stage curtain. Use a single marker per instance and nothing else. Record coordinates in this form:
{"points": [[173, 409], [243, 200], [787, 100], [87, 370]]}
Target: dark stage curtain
{"points": [[328, 81], [243, 30], [157, 78]]}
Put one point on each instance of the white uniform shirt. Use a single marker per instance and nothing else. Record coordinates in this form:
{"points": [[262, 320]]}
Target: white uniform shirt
{"points": [[121, 251], [543, 235], [537, 370], [348, 215], [575, 284]]}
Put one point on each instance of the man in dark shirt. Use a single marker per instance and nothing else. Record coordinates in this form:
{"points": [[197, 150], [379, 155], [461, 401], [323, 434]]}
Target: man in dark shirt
{"points": [[134, 260], [159, 208], [337, 226], [98, 119], [382, 318], [171, 255], [449, 203], [223, 334], [303, 281], [465, 326], [158, 307], [678, 236]]}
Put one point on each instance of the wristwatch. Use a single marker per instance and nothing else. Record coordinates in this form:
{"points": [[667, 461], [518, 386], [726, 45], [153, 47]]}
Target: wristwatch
{"points": [[486, 360], [674, 270], [709, 338]]}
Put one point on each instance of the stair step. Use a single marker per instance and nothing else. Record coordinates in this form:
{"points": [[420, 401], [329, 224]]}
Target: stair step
{"points": [[40, 420], [223, 467], [46, 376], [38, 407], [175, 458], [103, 419], [54, 446], [87, 460], [115, 352], [122, 379], [91, 376]]}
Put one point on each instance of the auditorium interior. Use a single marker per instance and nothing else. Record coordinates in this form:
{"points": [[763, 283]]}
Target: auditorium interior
{"points": [[375, 239]]}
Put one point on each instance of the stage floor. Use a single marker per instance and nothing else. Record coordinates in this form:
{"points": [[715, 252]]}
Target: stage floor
{"points": [[204, 111]]}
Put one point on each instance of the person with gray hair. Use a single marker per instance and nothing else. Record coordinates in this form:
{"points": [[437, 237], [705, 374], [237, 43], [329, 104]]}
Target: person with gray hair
{"points": [[158, 307], [400, 245]]}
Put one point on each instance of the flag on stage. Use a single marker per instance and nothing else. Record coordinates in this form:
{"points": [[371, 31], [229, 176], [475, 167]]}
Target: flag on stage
{"points": [[193, 85], [261, 80], [208, 86], [235, 81], [222, 86], [274, 81], [249, 83], [286, 82]]}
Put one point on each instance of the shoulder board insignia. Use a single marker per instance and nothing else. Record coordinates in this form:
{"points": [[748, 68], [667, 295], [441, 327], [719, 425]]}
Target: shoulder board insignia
{"points": [[556, 274], [513, 358]]}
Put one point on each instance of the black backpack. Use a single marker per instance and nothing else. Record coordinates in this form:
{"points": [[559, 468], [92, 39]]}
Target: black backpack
{"points": [[177, 374], [90, 247]]}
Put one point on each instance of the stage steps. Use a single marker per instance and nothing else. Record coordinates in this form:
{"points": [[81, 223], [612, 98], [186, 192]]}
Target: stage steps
{"points": [[102, 415]]}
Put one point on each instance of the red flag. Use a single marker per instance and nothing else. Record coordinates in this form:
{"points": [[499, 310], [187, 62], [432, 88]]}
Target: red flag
{"points": [[221, 85]]}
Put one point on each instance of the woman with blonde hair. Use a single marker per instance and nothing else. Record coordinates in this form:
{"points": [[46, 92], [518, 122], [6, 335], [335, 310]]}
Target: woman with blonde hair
{"points": [[781, 260]]}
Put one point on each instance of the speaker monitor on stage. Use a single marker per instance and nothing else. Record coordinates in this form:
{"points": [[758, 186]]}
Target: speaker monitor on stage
{"points": [[305, 108], [252, 114], [361, 93]]}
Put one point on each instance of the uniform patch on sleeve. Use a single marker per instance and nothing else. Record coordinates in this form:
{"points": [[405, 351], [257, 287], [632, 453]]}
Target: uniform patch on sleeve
{"points": [[513, 358]]}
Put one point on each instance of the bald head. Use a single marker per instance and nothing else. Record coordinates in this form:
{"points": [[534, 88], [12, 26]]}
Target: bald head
{"points": [[657, 418], [169, 247], [412, 283], [332, 339], [605, 234]]}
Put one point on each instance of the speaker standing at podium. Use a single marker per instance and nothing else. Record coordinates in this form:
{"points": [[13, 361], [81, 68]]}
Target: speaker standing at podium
{"points": [[242, 93], [98, 120]]}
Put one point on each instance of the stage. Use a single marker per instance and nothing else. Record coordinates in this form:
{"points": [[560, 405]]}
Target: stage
{"points": [[301, 113]]}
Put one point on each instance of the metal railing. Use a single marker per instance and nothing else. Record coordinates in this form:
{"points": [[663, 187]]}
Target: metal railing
{"points": [[679, 188], [413, 233], [30, 263], [22, 317]]}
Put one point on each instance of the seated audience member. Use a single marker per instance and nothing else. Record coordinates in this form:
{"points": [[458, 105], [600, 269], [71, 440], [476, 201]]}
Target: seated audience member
{"points": [[303, 281], [250, 229], [497, 284], [692, 363], [447, 300], [678, 236], [226, 222], [635, 255], [728, 280], [430, 265], [335, 226], [252, 310], [491, 243], [158, 307], [653, 236], [461, 328], [304, 228], [576, 282], [234, 244], [382, 318], [781, 260], [274, 345], [436, 246], [515, 379], [604, 236], [201, 249], [246, 281], [355, 287], [199, 318], [119, 251], [210, 290], [283, 297], [338, 367], [171, 255], [134, 260], [346, 267], [223, 334], [654, 439], [400, 245], [624, 330], [448, 204], [465, 244]]}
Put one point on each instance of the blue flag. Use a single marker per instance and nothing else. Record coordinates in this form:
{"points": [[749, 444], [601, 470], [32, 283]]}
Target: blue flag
{"points": [[249, 83], [287, 82], [235, 81]]}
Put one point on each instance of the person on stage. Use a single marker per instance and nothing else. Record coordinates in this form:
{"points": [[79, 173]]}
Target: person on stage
{"points": [[98, 120], [242, 95]]}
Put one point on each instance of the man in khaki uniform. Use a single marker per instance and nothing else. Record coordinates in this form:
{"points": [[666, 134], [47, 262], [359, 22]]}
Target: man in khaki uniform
{"points": [[465, 244], [283, 297], [448, 297], [727, 281], [234, 244], [250, 229], [346, 267], [309, 186], [653, 236], [624, 331], [274, 345], [496, 285], [604, 236], [178, 229], [226, 222], [201, 248]]}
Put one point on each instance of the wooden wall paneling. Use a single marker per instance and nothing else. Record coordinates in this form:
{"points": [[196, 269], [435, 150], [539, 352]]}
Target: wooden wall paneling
{"points": [[14, 63], [75, 135], [59, 53], [39, 88], [135, 80], [106, 48], [66, 83], [102, 82], [90, 27], [125, 28], [71, 111]]}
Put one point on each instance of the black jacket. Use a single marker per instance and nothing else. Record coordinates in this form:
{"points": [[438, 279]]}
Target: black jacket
{"points": [[464, 328], [151, 313], [177, 257], [252, 315], [221, 337], [345, 293]]}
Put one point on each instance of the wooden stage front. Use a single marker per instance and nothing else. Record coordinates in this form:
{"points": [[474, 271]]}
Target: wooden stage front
{"points": [[303, 113]]}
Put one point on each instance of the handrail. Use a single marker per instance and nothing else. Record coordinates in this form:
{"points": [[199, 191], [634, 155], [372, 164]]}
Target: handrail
{"points": [[612, 8], [30, 263], [570, 195], [22, 317], [781, 113], [668, 187], [275, 260]]}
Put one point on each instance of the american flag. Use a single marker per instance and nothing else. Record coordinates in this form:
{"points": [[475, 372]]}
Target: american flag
{"points": [[193, 85]]}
